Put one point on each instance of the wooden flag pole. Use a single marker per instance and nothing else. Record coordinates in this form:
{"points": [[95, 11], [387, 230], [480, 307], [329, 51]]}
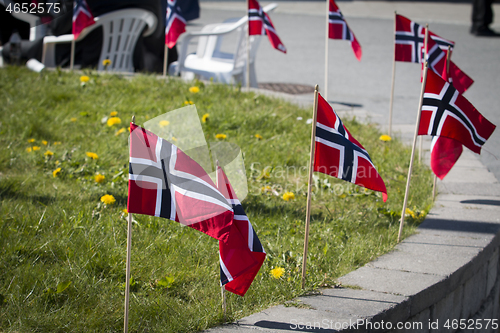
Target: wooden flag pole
{"points": [[222, 289], [391, 103], [448, 56], [165, 61], [309, 186], [417, 124], [224, 307], [326, 48], [127, 272], [248, 49], [426, 59], [72, 55], [434, 187]]}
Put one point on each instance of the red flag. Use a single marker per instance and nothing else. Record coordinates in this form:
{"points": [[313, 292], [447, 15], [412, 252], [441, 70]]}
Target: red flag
{"points": [[165, 182], [340, 155], [82, 17], [437, 62], [409, 40], [447, 113], [260, 24], [445, 153], [242, 255], [176, 24], [338, 29], [459, 79]]}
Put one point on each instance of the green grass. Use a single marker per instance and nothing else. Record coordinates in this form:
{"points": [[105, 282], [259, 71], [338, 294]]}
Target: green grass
{"points": [[62, 252]]}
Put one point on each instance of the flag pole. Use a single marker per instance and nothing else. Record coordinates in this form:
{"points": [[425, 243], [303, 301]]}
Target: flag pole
{"points": [[72, 55], [417, 125], [127, 273], [309, 186], [326, 48], [391, 103], [224, 307], [426, 58], [165, 61], [448, 56], [248, 48], [222, 288]]}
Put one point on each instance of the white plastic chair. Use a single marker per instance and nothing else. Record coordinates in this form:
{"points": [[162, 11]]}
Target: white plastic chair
{"points": [[121, 30], [210, 62]]}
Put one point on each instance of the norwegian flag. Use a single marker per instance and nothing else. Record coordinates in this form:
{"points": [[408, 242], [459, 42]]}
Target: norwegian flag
{"points": [[82, 17], [242, 255], [338, 29], [176, 24], [447, 113], [437, 62], [409, 40], [165, 182], [260, 24], [458, 78], [445, 153], [340, 155]]}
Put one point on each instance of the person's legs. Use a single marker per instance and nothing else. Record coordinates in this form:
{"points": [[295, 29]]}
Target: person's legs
{"points": [[482, 17]]}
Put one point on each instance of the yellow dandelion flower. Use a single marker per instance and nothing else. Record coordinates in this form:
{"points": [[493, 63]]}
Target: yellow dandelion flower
{"points": [[188, 103], [57, 143], [106, 62], [194, 89], [48, 153], [29, 150], [174, 139], [113, 121], [55, 172], [277, 272], [220, 136], [258, 136], [409, 212], [125, 210], [164, 123], [84, 78], [108, 199], [99, 178], [31, 140], [266, 188], [288, 196], [92, 155], [73, 119], [204, 118], [385, 138], [113, 113], [120, 131], [44, 142], [129, 129], [35, 148], [57, 162]]}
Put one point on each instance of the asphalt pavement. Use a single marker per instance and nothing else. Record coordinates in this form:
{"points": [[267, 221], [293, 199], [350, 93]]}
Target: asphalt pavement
{"points": [[363, 87]]}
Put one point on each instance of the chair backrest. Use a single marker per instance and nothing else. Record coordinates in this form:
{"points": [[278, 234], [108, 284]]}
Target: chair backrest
{"points": [[121, 29], [240, 55]]}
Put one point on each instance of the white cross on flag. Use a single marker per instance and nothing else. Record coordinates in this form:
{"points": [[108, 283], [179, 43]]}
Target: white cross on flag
{"points": [[338, 29], [409, 39], [176, 24], [259, 23], [165, 182], [242, 255], [82, 17], [447, 113], [340, 155]]}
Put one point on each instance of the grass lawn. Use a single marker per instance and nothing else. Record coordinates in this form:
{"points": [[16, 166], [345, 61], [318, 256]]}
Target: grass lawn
{"points": [[62, 251]]}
